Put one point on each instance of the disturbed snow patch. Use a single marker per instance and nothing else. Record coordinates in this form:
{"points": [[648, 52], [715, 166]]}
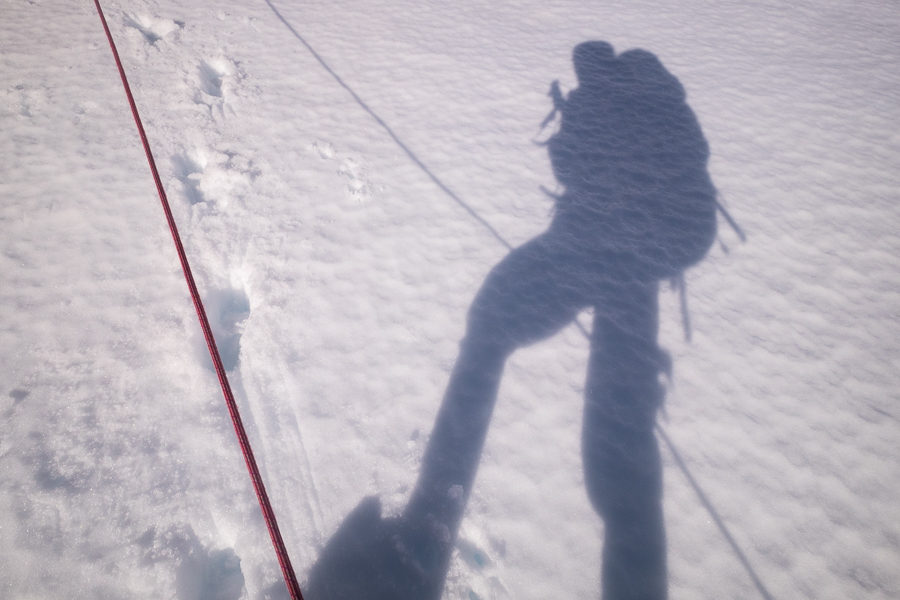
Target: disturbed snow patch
{"points": [[202, 573]]}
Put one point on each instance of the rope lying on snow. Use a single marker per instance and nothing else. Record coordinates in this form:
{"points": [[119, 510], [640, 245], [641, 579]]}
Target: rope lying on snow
{"points": [[284, 560]]}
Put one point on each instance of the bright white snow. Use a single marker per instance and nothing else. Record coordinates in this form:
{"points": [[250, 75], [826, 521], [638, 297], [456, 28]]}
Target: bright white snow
{"points": [[338, 272]]}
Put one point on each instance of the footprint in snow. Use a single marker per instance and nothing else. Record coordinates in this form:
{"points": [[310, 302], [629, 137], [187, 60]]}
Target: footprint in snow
{"points": [[212, 179], [200, 570], [188, 171], [26, 100], [211, 77], [475, 573], [228, 309], [325, 150], [352, 170], [215, 82], [357, 179], [151, 28]]}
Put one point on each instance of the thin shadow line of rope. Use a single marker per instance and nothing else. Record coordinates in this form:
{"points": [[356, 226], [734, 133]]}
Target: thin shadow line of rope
{"points": [[761, 588], [391, 133], [704, 499]]}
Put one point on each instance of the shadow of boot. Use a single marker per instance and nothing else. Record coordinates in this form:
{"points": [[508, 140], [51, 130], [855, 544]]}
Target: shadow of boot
{"points": [[370, 558]]}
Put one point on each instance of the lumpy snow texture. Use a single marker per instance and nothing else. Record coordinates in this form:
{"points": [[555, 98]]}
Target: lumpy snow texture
{"points": [[332, 167]]}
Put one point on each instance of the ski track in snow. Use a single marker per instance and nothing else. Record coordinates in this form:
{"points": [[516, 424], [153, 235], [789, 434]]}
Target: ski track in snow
{"points": [[336, 277]]}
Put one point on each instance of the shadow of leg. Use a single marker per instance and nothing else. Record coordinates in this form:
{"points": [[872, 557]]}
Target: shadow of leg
{"points": [[621, 456], [454, 449], [438, 502], [535, 291], [530, 295], [625, 489]]}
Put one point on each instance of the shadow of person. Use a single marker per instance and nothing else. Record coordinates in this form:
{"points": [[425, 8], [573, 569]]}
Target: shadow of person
{"points": [[637, 207]]}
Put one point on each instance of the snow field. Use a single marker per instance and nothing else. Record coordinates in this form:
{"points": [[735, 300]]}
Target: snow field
{"points": [[337, 275]]}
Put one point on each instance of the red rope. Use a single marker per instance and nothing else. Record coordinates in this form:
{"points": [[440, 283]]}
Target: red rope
{"points": [[284, 560]]}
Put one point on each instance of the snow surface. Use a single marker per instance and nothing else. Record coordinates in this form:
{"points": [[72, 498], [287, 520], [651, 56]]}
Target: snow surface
{"points": [[321, 198]]}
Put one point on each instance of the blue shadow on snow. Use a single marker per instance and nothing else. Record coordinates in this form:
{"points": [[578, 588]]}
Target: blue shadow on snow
{"points": [[636, 207]]}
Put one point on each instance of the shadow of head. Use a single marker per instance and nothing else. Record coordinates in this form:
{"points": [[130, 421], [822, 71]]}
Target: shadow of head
{"points": [[594, 63]]}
